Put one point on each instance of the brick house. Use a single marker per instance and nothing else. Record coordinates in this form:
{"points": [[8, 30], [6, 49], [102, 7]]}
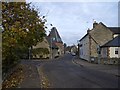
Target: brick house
{"points": [[89, 45]]}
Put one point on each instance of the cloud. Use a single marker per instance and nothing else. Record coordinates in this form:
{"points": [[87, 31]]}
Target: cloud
{"points": [[72, 0], [73, 19]]}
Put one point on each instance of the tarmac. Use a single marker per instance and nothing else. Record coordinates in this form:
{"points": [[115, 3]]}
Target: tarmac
{"points": [[32, 73], [111, 69], [32, 76]]}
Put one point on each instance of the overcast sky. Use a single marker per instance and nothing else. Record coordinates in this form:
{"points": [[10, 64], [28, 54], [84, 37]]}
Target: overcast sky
{"points": [[72, 19]]}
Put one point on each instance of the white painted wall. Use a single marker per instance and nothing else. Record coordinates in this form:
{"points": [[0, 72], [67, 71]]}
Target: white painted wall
{"points": [[112, 52], [118, 52], [84, 49]]}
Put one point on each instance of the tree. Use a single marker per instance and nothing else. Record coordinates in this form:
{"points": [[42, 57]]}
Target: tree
{"points": [[23, 28]]}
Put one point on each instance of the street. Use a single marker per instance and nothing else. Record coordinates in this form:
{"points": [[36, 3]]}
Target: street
{"points": [[60, 45], [63, 73]]}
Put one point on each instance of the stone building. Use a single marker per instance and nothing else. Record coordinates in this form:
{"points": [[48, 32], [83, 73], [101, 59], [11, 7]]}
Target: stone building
{"points": [[73, 50], [110, 51], [41, 50], [55, 42], [89, 45]]}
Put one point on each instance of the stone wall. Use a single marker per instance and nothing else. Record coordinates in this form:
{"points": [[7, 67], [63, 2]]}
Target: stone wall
{"points": [[110, 60], [43, 44], [100, 35], [105, 60]]}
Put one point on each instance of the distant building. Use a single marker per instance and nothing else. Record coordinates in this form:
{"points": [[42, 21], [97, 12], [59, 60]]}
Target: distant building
{"points": [[74, 49], [55, 42], [68, 49], [89, 45]]}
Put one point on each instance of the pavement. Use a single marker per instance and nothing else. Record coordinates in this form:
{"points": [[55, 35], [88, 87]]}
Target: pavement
{"points": [[111, 69], [31, 76]]}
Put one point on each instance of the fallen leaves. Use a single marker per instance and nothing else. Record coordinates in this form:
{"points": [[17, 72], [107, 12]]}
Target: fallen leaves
{"points": [[44, 80], [14, 79]]}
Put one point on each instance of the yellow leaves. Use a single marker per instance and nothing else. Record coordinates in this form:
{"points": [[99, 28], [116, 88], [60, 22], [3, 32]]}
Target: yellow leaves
{"points": [[14, 79], [17, 23], [45, 83], [12, 41], [17, 32], [3, 6], [13, 30], [17, 17]]}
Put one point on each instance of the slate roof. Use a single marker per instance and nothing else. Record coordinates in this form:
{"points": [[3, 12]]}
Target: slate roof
{"points": [[113, 43], [55, 37], [115, 30]]}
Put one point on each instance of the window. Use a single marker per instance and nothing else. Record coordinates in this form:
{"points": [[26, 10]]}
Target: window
{"points": [[116, 50]]}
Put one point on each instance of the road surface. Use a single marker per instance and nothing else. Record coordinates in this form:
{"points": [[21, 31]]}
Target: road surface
{"points": [[63, 73]]}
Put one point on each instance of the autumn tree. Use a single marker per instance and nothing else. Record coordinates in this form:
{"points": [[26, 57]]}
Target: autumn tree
{"points": [[23, 28]]}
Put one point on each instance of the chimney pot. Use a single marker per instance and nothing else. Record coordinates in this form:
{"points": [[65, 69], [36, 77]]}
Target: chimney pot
{"points": [[95, 24], [88, 30]]}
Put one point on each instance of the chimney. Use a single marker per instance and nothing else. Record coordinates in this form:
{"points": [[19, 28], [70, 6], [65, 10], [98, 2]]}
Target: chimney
{"points": [[95, 24], [88, 30]]}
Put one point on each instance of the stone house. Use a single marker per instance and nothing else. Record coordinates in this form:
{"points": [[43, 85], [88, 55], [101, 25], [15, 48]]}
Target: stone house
{"points": [[41, 50], [55, 42], [74, 49], [89, 45], [110, 51]]}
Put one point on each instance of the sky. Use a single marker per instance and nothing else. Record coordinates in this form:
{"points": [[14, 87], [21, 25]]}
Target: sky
{"points": [[72, 19]]}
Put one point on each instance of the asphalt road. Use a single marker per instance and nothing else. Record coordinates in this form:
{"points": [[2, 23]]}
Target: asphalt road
{"points": [[63, 73]]}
